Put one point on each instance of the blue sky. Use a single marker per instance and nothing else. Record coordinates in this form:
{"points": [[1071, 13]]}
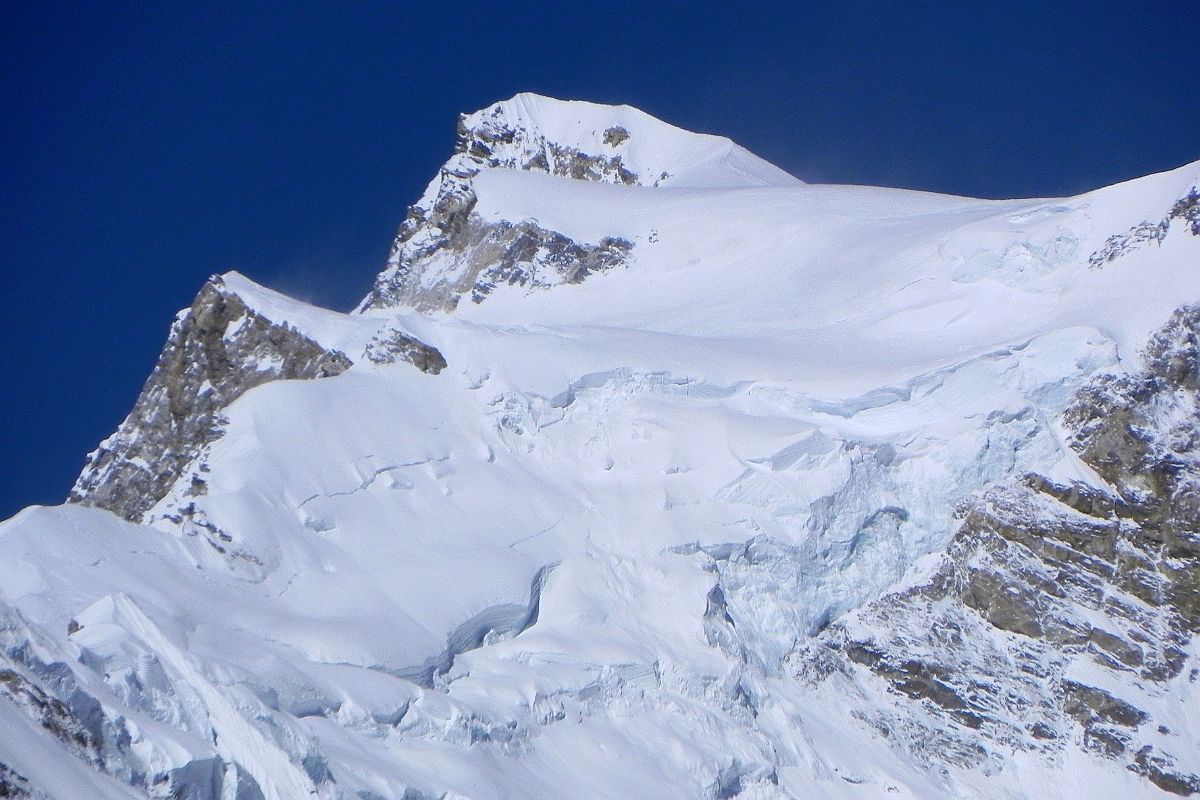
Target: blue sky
{"points": [[146, 147]]}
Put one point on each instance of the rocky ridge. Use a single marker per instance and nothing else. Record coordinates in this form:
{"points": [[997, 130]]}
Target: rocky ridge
{"points": [[217, 350], [392, 346]]}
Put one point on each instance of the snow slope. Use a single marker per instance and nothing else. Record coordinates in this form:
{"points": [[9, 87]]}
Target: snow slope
{"points": [[499, 580]]}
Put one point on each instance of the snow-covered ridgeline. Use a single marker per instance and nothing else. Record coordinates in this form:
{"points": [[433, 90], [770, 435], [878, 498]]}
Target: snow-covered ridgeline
{"points": [[601, 543]]}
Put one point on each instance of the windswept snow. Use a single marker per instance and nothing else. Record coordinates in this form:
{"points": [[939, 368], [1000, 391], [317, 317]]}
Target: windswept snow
{"points": [[330, 329], [499, 581]]}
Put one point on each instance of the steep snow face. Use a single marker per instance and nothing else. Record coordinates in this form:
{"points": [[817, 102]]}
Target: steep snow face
{"points": [[665, 447]]}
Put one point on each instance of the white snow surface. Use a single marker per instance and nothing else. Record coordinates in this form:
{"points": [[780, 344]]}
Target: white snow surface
{"points": [[657, 152], [330, 329], [476, 584]]}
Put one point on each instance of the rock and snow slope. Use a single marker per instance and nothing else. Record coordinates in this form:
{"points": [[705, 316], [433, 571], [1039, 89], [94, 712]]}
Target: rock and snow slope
{"points": [[645, 470]]}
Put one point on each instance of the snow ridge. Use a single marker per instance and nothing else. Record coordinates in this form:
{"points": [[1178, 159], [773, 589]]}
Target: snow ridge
{"points": [[728, 486]]}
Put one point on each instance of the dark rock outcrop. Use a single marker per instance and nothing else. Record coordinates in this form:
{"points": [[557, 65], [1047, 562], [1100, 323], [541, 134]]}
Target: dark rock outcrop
{"points": [[13, 784], [1186, 209], [490, 141], [217, 350], [396, 346]]}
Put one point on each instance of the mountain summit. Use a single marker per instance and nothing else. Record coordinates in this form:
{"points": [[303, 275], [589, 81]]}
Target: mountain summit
{"points": [[447, 248], [608, 144], [645, 470]]}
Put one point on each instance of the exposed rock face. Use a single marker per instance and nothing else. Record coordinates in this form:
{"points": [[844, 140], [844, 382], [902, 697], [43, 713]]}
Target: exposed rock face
{"points": [[486, 255], [217, 350], [394, 345], [445, 251], [1186, 209], [489, 140], [53, 714], [1059, 612], [12, 783]]}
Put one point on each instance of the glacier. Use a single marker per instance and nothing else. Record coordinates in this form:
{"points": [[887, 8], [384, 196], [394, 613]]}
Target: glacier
{"points": [[645, 469]]}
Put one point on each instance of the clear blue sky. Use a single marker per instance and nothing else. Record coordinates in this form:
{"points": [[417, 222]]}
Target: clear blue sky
{"points": [[146, 147]]}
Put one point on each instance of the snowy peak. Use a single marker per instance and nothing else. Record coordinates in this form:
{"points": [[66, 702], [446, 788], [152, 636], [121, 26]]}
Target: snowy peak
{"points": [[445, 250], [725, 487], [608, 144]]}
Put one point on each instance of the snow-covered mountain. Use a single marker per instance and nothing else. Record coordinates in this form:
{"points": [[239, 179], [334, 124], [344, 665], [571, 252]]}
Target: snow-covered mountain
{"points": [[645, 470]]}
